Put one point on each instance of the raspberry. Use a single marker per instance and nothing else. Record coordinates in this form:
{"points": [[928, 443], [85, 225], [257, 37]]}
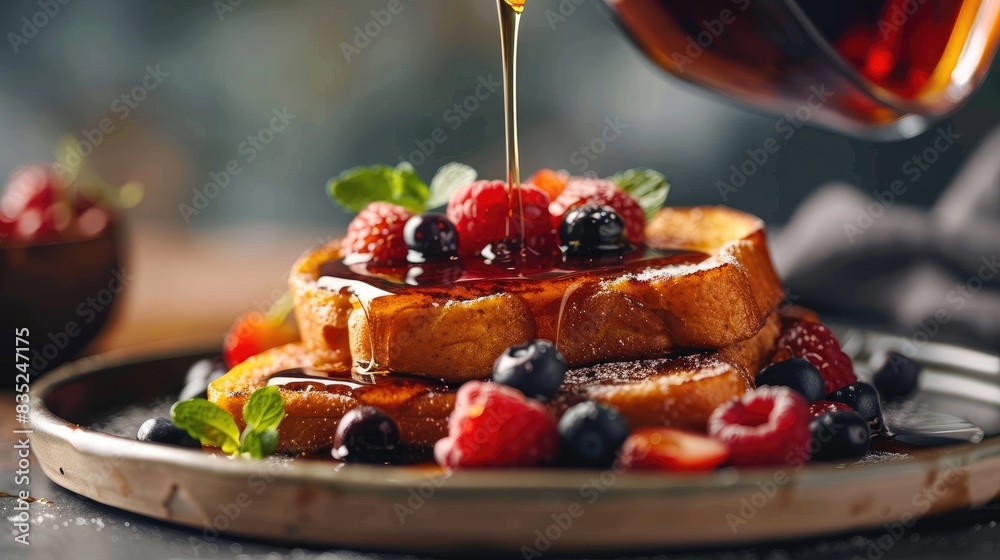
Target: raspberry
{"points": [[815, 343], [768, 426], [31, 187], [30, 208], [552, 182], [481, 213], [820, 408], [6, 229], [601, 193], [496, 426], [378, 230]]}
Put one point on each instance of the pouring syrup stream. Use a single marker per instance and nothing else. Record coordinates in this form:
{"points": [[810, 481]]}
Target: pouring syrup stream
{"points": [[510, 18]]}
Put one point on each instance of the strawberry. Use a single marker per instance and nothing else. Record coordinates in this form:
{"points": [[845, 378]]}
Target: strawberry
{"points": [[552, 182], [672, 450], [815, 343], [378, 230], [481, 212], [496, 426], [601, 192], [255, 332]]}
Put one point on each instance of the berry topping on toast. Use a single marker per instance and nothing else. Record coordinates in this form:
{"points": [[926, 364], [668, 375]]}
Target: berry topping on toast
{"points": [[552, 182], [492, 220], [431, 236], [378, 231], [590, 231], [483, 214], [601, 192]]}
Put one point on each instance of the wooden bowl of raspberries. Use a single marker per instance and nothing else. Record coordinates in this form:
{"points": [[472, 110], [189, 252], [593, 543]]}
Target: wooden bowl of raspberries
{"points": [[60, 263]]}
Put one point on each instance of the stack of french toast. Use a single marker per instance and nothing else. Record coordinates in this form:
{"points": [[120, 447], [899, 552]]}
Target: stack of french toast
{"points": [[665, 339]]}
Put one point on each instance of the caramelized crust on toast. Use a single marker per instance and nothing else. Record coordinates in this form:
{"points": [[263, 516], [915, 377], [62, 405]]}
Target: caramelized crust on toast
{"points": [[680, 391], [719, 297]]}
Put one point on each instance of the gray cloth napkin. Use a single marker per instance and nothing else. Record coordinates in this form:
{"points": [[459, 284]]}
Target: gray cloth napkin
{"points": [[873, 258]]}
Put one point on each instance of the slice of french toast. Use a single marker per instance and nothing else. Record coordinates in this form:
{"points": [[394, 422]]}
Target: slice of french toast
{"points": [[679, 391], [711, 286]]}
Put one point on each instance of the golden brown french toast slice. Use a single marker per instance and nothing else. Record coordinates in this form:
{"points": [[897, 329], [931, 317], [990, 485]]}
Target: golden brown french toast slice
{"points": [[711, 286], [680, 391]]}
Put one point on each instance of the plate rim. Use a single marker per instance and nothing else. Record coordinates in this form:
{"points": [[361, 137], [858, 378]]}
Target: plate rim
{"points": [[47, 423], [355, 506]]}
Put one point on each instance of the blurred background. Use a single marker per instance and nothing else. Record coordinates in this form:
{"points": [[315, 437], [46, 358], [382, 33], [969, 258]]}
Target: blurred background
{"points": [[169, 93]]}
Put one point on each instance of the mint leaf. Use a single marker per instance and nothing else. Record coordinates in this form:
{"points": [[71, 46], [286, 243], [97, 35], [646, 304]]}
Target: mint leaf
{"points": [[264, 409], [260, 444], [649, 188], [405, 167], [411, 192], [211, 425], [207, 423], [358, 187], [449, 179]]}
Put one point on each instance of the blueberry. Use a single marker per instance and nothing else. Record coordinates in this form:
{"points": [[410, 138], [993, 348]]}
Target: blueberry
{"points": [[431, 235], [535, 368], [592, 230], [199, 376], [864, 399], [797, 374], [365, 435], [898, 377], [590, 435], [843, 434], [163, 430]]}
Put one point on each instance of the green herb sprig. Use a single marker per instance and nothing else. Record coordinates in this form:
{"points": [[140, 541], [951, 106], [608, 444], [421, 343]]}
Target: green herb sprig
{"points": [[358, 187], [649, 188], [211, 425]]}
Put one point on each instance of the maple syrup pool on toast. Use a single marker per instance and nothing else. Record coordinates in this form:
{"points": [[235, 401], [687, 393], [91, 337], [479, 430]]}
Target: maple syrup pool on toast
{"points": [[348, 383], [478, 274]]}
